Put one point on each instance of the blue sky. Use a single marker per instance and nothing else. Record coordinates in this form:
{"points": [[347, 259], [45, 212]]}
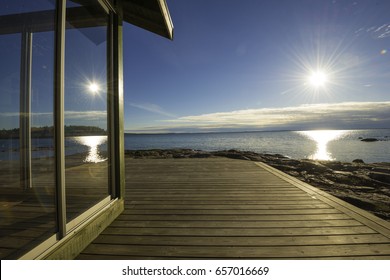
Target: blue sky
{"points": [[232, 66], [247, 65]]}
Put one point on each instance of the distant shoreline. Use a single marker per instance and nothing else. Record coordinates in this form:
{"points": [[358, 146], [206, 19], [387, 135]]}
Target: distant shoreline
{"points": [[48, 132], [206, 132], [247, 131]]}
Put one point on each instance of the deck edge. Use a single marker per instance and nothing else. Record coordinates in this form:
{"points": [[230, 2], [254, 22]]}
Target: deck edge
{"points": [[70, 248], [366, 218]]}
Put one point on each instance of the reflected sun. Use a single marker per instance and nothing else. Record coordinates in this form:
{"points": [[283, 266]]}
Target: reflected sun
{"points": [[322, 138], [93, 87]]}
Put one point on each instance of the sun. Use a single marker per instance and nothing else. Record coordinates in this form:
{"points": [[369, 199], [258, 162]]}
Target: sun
{"points": [[93, 87], [318, 79]]}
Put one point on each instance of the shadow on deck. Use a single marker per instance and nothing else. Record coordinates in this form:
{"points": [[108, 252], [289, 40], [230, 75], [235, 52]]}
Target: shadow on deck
{"points": [[223, 208]]}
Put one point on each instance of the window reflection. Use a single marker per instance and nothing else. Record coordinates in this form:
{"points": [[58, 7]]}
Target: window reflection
{"points": [[86, 174], [27, 193], [94, 147], [27, 165]]}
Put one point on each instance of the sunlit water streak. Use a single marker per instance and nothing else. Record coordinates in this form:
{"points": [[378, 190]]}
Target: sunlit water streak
{"points": [[322, 138], [296, 145], [93, 143], [345, 147]]}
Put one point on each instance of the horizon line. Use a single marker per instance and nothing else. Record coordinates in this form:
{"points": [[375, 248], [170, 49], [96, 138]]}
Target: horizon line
{"points": [[253, 131]]}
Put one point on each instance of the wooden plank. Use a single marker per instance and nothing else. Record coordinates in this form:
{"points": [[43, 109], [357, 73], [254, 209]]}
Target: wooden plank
{"points": [[12, 242], [239, 252], [4, 252], [237, 217], [240, 241], [224, 206], [128, 257], [236, 224], [258, 232], [132, 202], [218, 195], [368, 257], [232, 212], [142, 185], [84, 256], [194, 191], [243, 199]]}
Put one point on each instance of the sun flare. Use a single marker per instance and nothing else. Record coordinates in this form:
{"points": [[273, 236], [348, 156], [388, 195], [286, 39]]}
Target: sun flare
{"points": [[318, 79], [93, 87], [322, 138]]}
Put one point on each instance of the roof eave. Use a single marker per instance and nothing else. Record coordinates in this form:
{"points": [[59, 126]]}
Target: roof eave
{"points": [[151, 15]]}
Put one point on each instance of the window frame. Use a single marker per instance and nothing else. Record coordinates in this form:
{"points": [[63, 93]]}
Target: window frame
{"points": [[115, 129]]}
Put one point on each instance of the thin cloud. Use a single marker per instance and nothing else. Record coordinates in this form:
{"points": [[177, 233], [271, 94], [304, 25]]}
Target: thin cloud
{"points": [[287, 115], [11, 119], [94, 115], [152, 108], [17, 114], [384, 31], [380, 32], [336, 115], [86, 115]]}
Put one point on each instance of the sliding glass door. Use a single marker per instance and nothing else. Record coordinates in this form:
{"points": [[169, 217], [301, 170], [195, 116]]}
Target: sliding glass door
{"points": [[86, 157], [27, 176], [32, 198]]}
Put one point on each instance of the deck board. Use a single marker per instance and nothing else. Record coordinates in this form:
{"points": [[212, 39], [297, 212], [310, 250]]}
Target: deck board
{"points": [[223, 208]]}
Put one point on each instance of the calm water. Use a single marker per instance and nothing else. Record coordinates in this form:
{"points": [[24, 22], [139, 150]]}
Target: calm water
{"points": [[92, 146], [343, 145]]}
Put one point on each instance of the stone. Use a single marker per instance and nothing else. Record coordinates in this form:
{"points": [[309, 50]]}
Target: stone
{"points": [[380, 176], [369, 140]]}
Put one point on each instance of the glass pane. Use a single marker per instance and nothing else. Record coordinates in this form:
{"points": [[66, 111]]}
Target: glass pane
{"points": [[27, 194], [86, 174], [9, 7]]}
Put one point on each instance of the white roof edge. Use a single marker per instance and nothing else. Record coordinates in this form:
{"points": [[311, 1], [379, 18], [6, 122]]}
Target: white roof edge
{"points": [[167, 17]]}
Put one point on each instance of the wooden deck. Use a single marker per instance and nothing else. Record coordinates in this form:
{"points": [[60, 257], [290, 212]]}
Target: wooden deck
{"points": [[223, 208]]}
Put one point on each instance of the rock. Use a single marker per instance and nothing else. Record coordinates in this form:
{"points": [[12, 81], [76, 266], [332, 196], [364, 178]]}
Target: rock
{"points": [[178, 155], [285, 168], [358, 160], [291, 162], [369, 140], [200, 155], [380, 176], [312, 167], [231, 154]]}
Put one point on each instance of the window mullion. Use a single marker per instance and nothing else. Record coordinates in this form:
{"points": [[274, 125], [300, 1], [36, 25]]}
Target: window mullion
{"points": [[59, 132]]}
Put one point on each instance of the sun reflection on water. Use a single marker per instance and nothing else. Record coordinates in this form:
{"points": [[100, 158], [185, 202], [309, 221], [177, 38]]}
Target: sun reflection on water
{"points": [[92, 142], [322, 138]]}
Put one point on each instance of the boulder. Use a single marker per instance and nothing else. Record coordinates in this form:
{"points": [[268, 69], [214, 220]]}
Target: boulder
{"points": [[380, 176], [369, 140], [313, 167]]}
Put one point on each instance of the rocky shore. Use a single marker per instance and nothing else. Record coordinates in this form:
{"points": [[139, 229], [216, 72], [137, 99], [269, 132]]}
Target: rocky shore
{"points": [[365, 185]]}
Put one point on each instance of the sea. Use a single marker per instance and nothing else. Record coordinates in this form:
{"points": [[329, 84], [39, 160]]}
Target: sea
{"points": [[336, 145], [340, 145]]}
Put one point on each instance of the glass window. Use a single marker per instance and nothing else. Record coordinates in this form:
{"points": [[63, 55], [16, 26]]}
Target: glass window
{"points": [[27, 193], [9, 7], [86, 174]]}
